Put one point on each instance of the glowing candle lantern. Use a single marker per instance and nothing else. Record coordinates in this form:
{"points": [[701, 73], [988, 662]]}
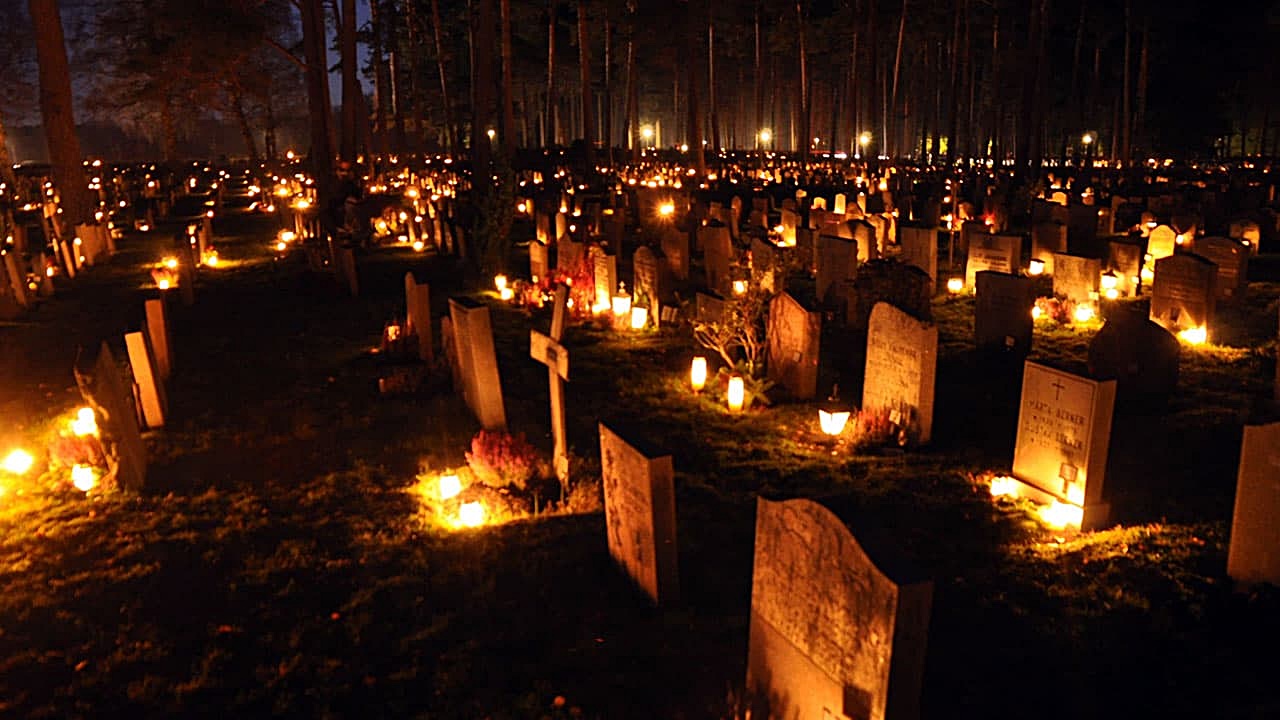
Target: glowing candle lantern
{"points": [[955, 286], [500, 282], [666, 209], [1085, 313], [85, 424], [507, 293], [1059, 515], [17, 462], [737, 395], [1194, 336], [639, 317], [419, 246], [84, 477], [621, 302], [450, 486], [739, 287], [1004, 486], [171, 263], [471, 514], [1036, 312], [832, 421], [698, 373], [1109, 280], [1035, 267]]}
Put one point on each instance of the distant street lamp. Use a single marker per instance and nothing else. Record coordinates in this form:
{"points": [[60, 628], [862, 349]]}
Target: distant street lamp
{"points": [[1087, 140], [646, 132], [863, 141], [766, 135]]}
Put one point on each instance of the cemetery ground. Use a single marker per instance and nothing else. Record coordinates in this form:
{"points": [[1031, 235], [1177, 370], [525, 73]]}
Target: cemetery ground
{"points": [[279, 563]]}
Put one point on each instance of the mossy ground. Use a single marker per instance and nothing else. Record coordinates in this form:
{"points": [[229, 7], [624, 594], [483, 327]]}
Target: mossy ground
{"points": [[278, 563]]}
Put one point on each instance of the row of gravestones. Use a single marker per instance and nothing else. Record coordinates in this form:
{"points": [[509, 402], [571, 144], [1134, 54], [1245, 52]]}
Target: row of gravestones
{"points": [[91, 244], [839, 631]]}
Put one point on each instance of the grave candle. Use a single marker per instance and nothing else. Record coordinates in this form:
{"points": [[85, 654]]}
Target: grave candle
{"points": [[737, 394], [471, 514], [698, 373], [1035, 267], [450, 486], [639, 317], [955, 286], [17, 462]]}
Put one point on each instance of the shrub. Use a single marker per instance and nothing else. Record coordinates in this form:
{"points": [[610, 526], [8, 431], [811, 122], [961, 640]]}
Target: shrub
{"points": [[500, 459]]}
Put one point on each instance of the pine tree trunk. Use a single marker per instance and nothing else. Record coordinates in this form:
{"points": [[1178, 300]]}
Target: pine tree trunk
{"points": [[350, 84], [551, 136], [1125, 111], [894, 150], [584, 75], [6, 160], [381, 81], [246, 130], [758, 88], [694, 107], [313, 35], [58, 113], [711, 81], [508, 105], [446, 100], [804, 83], [1140, 116], [628, 122]]}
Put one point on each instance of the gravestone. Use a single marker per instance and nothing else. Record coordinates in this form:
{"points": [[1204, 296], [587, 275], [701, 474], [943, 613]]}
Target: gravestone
{"points": [[547, 350], [1076, 278], [1184, 293], [1161, 242], [1125, 260], [1248, 232], [542, 228], [417, 300], [903, 286], [539, 261], [920, 248], [708, 308], [865, 234], [158, 336], [561, 227], [640, 513], [837, 262], [146, 376], [647, 281], [675, 247], [717, 256], [838, 629], [1002, 320], [605, 273], [570, 254], [1141, 356], [477, 364], [902, 360], [345, 258], [1000, 253], [119, 421], [1254, 554], [1082, 226], [793, 335], [790, 221], [839, 204], [1064, 430], [1232, 259], [1046, 239]]}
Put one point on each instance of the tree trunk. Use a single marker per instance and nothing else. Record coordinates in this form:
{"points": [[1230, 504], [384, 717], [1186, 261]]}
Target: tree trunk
{"points": [[381, 80], [804, 83], [1139, 119], [313, 35], [606, 118], [58, 113], [584, 75], [953, 112], [482, 93], [628, 121], [1125, 111], [246, 130], [894, 150], [551, 135], [711, 80], [6, 160], [446, 100], [758, 89], [695, 112], [350, 82], [508, 106]]}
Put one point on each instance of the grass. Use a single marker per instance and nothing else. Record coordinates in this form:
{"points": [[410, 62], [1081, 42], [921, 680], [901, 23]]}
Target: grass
{"points": [[279, 563]]}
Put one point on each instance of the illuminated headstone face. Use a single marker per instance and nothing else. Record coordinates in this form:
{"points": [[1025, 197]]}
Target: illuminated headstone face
{"points": [[1001, 253], [902, 358], [476, 362], [649, 280], [1076, 278], [640, 519], [1254, 555], [1183, 293], [793, 334], [834, 625], [1161, 242]]}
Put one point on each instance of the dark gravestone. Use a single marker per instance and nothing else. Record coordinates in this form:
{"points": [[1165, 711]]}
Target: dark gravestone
{"points": [[793, 335], [1141, 356], [837, 261], [1232, 259], [1184, 293], [903, 286], [1048, 239], [1125, 260], [708, 308], [1002, 320], [675, 247], [1254, 554], [640, 513]]}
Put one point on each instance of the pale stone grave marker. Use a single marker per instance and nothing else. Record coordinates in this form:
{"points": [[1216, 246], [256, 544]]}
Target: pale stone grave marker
{"points": [[1161, 242], [837, 629], [839, 204], [837, 262], [1000, 253], [119, 419], [147, 378], [477, 364], [675, 247], [605, 273], [793, 335], [1046, 239], [1254, 554], [158, 336], [1002, 313], [17, 280], [920, 248], [1076, 278], [1125, 261], [902, 360], [417, 300], [1232, 259], [647, 281], [1064, 430], [539, 260], [1184, 293], [640, 513], [790, 221]]}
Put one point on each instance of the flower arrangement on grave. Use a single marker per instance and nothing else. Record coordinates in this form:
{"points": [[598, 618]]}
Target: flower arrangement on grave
{"points": [[580, 279], [1064, 311], [501, 459], [898, 426], [78, 457]]}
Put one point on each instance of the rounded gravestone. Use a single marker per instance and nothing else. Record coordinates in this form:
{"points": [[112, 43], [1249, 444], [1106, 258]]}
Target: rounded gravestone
{"points": [[1139, 354]]}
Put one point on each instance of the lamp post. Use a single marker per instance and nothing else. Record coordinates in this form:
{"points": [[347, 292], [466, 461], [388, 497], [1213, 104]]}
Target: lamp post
{"points": [[763, 138], [863, 141], [1087, 140]]}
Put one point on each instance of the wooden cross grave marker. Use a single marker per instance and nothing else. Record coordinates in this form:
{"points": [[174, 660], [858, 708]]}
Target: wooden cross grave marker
{"points": [[547, 350]]}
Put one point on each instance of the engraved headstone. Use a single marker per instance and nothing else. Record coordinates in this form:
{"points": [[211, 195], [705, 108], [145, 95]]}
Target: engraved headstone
{"points": [[1125, 261], [640, 513], [1001, 253], [477, 362], [1232, 259], [902, 359], [1161, 242], [539, 260], [717, 255], [838, 629], [837, 262], [1076, 278], [708, 308], [793, 334], [920, 248], [647, 280], [1254, 554], [1064, 430], [1046, 239], [1184, 293], [1002, 320], [675, 247]]}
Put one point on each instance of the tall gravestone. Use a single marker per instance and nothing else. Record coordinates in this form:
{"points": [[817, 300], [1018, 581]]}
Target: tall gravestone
{"points": [[417, 298], [1141, 356], [1161, 242], [1232, 259], [837, 262], [1002, 313], [1076, 278], [838, 629], [1125, 261], [793, 335], [647, 280], [539, 260], [920, 248], [605, 273], [477, 362], [902, 360], [717, 255], [1000, 253], [120, 420], [146, 375], [675, 247], [1064, 431], [1254, 554], [1184, 293], [640, 513], [1047, 239]]}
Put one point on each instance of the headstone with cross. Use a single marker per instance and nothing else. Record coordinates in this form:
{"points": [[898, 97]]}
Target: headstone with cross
{"points": [[547, 350]]}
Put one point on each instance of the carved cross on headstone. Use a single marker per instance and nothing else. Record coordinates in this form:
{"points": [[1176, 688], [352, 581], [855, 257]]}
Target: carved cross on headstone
{"points": [[547, 350], [1057, 389]]}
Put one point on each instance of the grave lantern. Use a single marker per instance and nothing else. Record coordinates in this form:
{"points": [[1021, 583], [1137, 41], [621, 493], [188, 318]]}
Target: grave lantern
{"points": [[1110, 282], [621, 303], [833, 416], [471, 514], [84, 477], [17, 462], [698, 373], [955, 285], [639, 317], [450, 486], [737, 394], [1035, 267]]}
